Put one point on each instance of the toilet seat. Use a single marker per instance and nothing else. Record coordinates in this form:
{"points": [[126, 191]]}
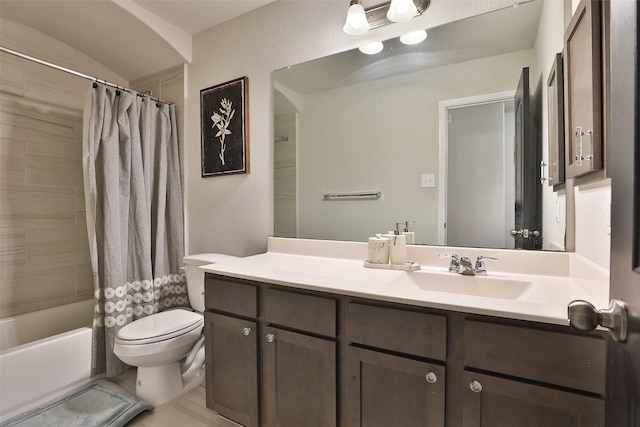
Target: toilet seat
{"points": [[159, 327]]}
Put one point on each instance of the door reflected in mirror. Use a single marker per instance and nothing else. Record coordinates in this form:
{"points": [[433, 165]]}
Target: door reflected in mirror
{"points": [[373, 123]]}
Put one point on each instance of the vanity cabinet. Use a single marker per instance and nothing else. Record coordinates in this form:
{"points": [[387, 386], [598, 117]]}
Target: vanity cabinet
{"points": [[231, 352], [392, 372], [299, 359], [583, 90], [517, 375], [492, 401], [283, 357]]}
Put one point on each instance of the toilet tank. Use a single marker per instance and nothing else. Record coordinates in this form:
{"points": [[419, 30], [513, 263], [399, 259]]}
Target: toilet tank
{"points": [[195, 276]]}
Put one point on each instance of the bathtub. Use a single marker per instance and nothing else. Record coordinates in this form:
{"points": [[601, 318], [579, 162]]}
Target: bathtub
{"points": [[33, 373]]}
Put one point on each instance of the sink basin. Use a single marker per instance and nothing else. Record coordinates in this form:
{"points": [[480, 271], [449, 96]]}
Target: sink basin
{"points": [[480, 286]]}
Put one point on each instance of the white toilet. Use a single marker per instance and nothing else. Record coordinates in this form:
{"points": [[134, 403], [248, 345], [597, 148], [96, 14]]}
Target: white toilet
{"points": [[156, 344]]}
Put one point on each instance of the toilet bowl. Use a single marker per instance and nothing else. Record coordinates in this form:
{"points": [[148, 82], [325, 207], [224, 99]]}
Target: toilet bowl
{"points": [[167, 347]]}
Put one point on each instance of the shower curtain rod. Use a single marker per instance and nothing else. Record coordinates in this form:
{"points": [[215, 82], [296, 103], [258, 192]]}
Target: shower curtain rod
{"points": [[79, 74]]}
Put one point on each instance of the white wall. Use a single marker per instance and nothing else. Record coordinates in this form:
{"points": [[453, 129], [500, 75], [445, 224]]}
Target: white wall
{"points": [[234, 214]]}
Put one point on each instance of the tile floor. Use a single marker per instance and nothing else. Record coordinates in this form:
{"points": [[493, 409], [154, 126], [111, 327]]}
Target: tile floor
{"points": [[188, 410]]}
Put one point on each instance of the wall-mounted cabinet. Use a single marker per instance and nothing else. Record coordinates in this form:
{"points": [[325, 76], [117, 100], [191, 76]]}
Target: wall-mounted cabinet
{"points": [[555, 97], [584, 135], [285, 357]]}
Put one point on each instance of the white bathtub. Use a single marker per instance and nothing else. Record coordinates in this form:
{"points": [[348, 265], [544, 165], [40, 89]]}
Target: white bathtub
{"points": [[33, 373]]}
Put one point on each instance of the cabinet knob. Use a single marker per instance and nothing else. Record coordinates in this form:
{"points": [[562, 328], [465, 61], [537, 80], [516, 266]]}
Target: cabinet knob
{"points": [[475, 386], [246, 331], [270, 337], [431, 377]]}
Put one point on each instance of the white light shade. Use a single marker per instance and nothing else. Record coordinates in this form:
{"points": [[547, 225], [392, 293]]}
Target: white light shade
{"points": [[356, 22], [414, 37], [371, 48], [401, 10]]}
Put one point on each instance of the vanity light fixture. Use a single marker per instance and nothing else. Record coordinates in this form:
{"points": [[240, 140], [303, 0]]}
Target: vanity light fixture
{"points": [[371, 48], [356, 22], [383, 14], [414, 37], [401, 10]]}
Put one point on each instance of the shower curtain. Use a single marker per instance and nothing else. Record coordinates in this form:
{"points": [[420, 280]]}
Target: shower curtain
{"points": [[134, 214]]}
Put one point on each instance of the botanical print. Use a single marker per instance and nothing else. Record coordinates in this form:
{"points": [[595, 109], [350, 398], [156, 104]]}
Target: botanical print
{"points": [[223, 112], [222, 123]]}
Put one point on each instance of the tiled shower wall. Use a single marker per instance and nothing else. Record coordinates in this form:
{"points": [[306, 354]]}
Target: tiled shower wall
{"points": [[44, 255]]}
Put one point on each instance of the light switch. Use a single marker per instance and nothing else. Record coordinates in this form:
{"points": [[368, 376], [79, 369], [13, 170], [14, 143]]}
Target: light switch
{"points": [[428, 180]]}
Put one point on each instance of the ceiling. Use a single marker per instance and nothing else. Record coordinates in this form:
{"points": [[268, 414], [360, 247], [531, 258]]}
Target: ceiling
{"points": [[196, 16], [157, 33]]}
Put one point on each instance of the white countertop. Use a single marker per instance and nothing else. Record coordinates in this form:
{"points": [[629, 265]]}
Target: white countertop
{"points": [[540, 298]]}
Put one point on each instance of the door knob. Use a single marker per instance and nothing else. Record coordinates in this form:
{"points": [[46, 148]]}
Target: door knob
{"points": [[583, 316]]}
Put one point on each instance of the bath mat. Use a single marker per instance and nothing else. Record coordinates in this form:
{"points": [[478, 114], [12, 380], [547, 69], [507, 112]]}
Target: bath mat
{"points": [[99, 403]]}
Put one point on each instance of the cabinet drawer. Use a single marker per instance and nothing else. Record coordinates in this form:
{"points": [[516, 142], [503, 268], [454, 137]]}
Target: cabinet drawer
{"points": [[303, 312], [404, 331], [551, 357], [231, 296]]}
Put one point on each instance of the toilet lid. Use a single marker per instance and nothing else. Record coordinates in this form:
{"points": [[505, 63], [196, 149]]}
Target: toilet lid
{"points": [[159, 327]]}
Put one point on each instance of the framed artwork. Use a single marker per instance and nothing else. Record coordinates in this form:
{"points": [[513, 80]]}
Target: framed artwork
{"points": [[555, 99], [225, 128]]}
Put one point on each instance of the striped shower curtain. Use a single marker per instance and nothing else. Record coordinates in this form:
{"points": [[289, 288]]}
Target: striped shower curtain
{"points": [[134, 214]]}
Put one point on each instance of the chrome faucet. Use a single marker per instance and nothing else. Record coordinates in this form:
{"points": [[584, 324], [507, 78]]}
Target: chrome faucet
{"points": [[480, 268], [454, 267], [465, 267]]}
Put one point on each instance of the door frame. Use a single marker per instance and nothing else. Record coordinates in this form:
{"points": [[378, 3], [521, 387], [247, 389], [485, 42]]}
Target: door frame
{"points": [[443, 146], [623, 383]]}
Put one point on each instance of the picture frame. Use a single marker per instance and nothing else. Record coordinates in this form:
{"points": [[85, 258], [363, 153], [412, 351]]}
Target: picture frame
{"points": [[224, 128], [555, 107]]}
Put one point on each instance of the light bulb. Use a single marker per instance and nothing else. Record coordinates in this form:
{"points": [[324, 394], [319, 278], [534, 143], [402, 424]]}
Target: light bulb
{"points": [[413, 37], [356, 22], [371, 48], [401, 10]]}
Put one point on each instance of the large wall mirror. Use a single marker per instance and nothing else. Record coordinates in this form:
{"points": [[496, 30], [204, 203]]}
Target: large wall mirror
{"points": [[446, 135]]}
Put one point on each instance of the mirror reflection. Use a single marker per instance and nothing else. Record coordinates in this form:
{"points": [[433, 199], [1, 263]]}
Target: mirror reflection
{"points": [[444, 137]]}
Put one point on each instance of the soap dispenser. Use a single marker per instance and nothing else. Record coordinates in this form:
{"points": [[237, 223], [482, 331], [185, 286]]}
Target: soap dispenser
{"points": [[397, 247], [411, 236]]}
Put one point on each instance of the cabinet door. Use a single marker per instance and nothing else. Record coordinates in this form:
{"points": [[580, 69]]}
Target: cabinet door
{"points": [[299, 379], [583, 90], [384, 390], [232, 368], [495, 402]]}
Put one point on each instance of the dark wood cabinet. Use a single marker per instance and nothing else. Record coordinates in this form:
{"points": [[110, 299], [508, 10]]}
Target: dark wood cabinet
{"points": [[387, 390], [232, 368], [491, 401], [300, 384], [583, 90], [284, 357]]}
